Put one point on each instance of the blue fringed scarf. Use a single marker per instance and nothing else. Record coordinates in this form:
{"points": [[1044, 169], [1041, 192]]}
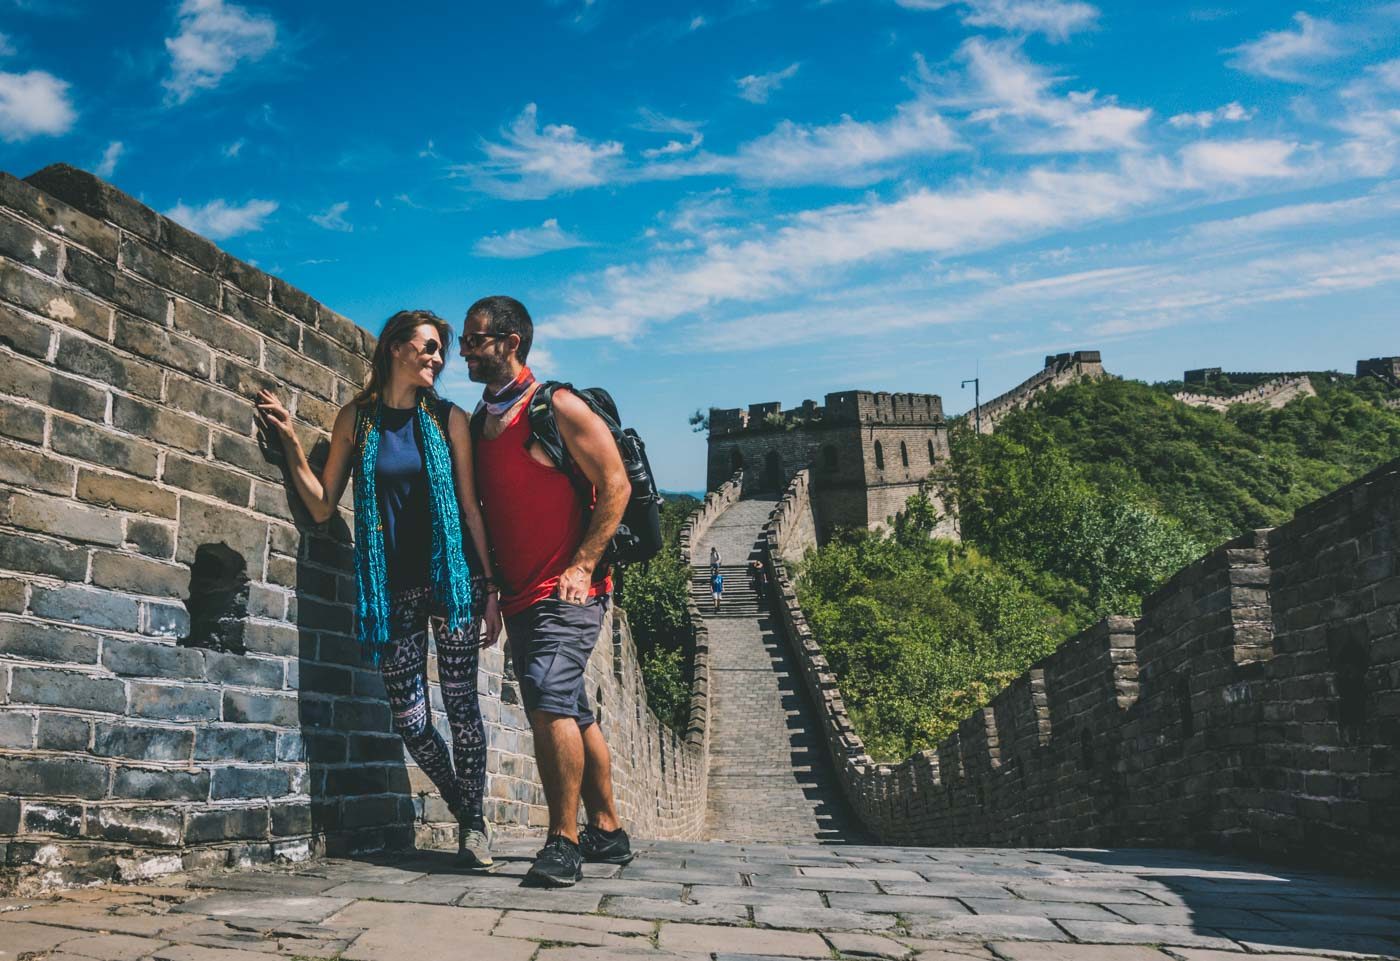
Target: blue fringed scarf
{"points": [[451, 578]]}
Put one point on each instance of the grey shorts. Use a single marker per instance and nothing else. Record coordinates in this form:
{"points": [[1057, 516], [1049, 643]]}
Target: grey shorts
{"points": [[550, 642]]}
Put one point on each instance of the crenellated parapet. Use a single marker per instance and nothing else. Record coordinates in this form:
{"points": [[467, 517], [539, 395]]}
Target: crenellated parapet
{"points": [[1059, 370], [1274, 393]]}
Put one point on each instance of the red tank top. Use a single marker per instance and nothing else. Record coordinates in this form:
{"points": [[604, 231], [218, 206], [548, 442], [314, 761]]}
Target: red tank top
{"points": [[533, 517]]}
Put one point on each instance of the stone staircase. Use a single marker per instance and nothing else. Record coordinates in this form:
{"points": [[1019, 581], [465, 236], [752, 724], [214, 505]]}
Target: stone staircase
{"points": [[740, 599]]}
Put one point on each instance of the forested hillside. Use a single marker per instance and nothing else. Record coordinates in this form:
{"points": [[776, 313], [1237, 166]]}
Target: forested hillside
{"points": [[1074, 509]]}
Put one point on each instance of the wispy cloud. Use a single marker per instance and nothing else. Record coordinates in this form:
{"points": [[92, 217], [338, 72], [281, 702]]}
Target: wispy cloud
{"points": [[333, 218], [1236, 161], [758, 87], [1232, 112], [1056, 19], [1376, 205], [34, 104], [212, 39], [654, 122], [218, 219], [1283, 54], [232, 150], [530, 163], [108, 164], [528, 241]]}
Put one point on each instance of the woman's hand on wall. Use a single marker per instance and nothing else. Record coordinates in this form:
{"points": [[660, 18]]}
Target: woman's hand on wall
{"points": [[275, 416]]}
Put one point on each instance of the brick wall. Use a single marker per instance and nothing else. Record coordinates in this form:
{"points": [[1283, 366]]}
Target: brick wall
{"points": [[134, 738], [1059, 370], [1254, 706]]}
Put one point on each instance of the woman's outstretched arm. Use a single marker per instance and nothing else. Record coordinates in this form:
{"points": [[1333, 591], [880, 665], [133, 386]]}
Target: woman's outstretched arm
{"points": [[459, 435], [319, 494]]}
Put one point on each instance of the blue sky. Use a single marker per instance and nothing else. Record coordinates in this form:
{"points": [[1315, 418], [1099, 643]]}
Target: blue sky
{"points": [[712, 204]]}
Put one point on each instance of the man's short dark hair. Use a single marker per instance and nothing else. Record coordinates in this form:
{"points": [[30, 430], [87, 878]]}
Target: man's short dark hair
{"points": [[506, 315]]}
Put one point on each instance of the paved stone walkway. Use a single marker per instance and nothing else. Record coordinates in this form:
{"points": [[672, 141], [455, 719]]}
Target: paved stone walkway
{"points": [[728, 901], [770, 778]]}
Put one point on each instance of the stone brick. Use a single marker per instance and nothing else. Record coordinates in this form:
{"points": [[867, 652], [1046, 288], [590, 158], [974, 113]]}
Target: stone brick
{"points": [[226, 824], [204, 523], [44, 386], [204, 400], [63, 732], [243, 671], [13, 595], [243, 380], [62, 518], [75, 225], [168, 273], [147, 784], [251, 744], [36, 641], [291, 367], [248, 279], [262, 318], [21, 422], [246, 708], [190, 246], [101, 363], [113, 490], [44, 296], [92, 608], [34, 470], [142, 742], [139, 575], [103, 447], [24, 334], [16, 730], [217, 331], [166, 427], [249, 782], [152, 538], [278, 500], [24, 244], [156, 343], [256, 458], [165, 620], [174, 702], [268, 602], [151, 659], [38, 555], [291, 819], [344, 331], [100, 200], [204, 477], [53, 777], [323, 350], [124, 290], [362, 716], [65, 820], [278, 639], [157, 826]]}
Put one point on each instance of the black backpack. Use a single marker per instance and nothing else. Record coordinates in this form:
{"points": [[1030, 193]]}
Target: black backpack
{"points": [[638, 536]]}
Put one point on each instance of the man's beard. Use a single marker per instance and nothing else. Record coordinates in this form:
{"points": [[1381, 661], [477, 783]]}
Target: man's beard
{"points": [[488, 370]]}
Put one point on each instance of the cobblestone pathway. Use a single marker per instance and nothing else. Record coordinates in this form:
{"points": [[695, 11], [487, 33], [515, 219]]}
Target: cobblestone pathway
{"points": [[728, 901], [770, 779]]}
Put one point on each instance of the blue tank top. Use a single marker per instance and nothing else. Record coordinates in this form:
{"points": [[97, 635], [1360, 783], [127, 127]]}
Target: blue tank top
{"points": [[404, 505]]}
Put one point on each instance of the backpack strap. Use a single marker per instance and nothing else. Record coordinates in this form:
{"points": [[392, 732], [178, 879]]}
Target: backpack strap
{"points": [[544, 429]]}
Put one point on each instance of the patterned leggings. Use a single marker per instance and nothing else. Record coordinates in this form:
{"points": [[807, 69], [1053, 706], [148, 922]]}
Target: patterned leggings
{"points": [[404, 667]]}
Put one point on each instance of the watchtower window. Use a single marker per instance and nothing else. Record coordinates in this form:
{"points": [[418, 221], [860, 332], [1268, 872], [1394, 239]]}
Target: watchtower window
{"points": [[829, 457], [904, 453], [931, 456], [879, 456]]}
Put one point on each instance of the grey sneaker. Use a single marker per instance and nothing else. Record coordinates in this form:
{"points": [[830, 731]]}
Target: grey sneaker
{"points": [[474, 844]]}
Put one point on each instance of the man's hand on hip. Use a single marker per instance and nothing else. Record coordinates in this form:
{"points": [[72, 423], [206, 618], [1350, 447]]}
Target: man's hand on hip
{"points": [[574, 584]]}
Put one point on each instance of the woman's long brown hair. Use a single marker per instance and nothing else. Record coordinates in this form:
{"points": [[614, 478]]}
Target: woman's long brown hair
{"points": [[397, 329]]}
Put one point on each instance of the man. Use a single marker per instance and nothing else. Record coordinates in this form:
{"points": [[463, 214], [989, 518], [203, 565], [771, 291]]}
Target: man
{"points": [[717, 588], [548, 547]]}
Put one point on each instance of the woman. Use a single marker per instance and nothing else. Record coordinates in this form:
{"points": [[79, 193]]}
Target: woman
{"points": [[411, 455]]}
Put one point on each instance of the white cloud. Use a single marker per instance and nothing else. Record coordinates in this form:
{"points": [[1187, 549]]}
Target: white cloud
{"points": [[1235, 161], [1232, 112], [333, 218], [213, 38], [7, 46], [1056, 19], [529, 163], [528, 241], [757, 88], [231, 151], [108, 165], [654, 122], [34, 104], [218, 219], [1377, 205], [1282, 54]]}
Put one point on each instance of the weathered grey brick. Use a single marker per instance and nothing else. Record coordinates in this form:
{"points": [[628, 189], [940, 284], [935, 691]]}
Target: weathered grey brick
{"points": [[205, 523], [42, 817], [174, 702], [325, 679], [204, 477], [362, 716], [81, 605], [243, 671], [113, 490], [62, 518], [291, 367], [188, 245], [74, 689], [262, 318], [103, 447], [13, 595], [75, 225], [345, 331], [53, 777], [152, 538], [91, 273], [24, 334], [9, 809], [207, 401], [246, 708], [246, 278], [101, 363], [217, 331], [21, 422], [268, 602], [256, 458], [224, 743], [139, 575], [292, 747], [63, 732], [277, 500], [16, 730], [24, 244], [97, 198], [142, 742], [166, 427], [35, 470], [44, 296], [151, 659], [43, 385], [167, 272], [278, 639], [40, 555], [249, 782], [36, 641], [226, 824], [291, 819], [243, 380], [147, 784], [165, 620], [156, 343], [157, 826]]}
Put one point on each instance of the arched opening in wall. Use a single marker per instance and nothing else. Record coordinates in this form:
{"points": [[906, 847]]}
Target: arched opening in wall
{"points": [[218, 601], [904, 453], [879, 456], [773, 471], [931, 455], [829, 460], [736, 461]]}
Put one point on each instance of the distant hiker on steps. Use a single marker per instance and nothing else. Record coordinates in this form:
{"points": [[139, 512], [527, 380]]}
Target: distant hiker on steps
{"points": [[714, 561], [717, 587]]}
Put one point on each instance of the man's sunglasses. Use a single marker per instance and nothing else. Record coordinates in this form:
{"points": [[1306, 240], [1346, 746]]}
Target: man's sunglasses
{"points": [[475, 341]]}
